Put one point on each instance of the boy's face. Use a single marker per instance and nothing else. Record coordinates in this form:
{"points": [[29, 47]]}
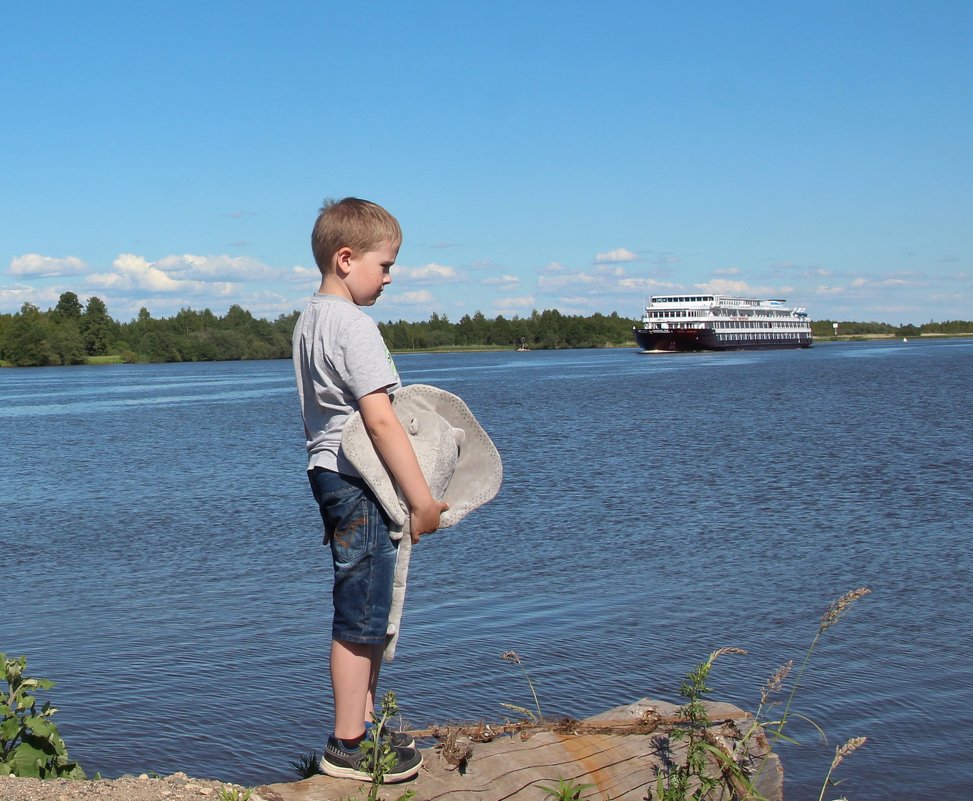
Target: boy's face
{"points": [[368, 273]]}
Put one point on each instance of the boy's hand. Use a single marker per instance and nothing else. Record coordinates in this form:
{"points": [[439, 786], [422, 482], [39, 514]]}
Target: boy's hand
{"points": [[425, 519], [393, 445]]}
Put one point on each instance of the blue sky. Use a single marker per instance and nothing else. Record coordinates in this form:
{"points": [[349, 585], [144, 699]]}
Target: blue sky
{"points": [[568, 155]]}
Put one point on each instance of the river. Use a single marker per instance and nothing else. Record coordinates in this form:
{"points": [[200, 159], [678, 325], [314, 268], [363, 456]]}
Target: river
{"points": [[162, 557]]}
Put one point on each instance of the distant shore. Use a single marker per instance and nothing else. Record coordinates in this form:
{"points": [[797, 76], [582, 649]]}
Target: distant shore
{"points": [[116, 358], [872, 337]]}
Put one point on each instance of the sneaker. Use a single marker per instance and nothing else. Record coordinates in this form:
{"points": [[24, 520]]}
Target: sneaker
{"points": [[399, 739], [341, 763]]}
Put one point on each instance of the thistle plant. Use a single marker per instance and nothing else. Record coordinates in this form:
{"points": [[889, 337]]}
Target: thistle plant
{"points": [[677, 783], [30, 744], [380, 757]]}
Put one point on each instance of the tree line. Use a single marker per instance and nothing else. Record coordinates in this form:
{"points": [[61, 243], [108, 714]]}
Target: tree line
{"points": [[825, 328], [544, 330], [72, 333]]}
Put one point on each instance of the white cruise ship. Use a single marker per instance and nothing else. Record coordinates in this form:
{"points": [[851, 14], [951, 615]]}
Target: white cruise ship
{"points": [[717, 322]]}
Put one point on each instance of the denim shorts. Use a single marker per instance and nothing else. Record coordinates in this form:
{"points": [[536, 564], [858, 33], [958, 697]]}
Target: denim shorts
{"points": [[363, 554]]}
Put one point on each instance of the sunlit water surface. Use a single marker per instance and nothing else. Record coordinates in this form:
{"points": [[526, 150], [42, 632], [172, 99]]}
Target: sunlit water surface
{"points": [[162, 557]]}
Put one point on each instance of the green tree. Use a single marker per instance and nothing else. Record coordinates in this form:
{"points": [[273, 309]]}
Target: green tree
{"points": [[26, 343], [97, 328], [65, 341], [159, 346], [68, 308]]}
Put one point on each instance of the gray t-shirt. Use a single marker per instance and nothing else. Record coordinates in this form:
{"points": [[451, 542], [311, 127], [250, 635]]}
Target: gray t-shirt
{"points": [[339, 356]]}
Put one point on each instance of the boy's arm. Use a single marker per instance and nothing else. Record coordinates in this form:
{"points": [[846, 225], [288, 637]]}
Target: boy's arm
{"points": [[392, 444]]}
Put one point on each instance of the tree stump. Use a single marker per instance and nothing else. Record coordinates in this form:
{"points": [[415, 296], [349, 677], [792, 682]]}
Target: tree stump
{"points": [[619, 752]]}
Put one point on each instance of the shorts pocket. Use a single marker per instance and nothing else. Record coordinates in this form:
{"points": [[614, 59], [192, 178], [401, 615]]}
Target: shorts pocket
{"points": [[347, 526]]}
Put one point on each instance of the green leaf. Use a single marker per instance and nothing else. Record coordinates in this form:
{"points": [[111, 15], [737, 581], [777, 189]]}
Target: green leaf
{"points": [[41, 726], [9, 729], [28, 760], [71, 770]]}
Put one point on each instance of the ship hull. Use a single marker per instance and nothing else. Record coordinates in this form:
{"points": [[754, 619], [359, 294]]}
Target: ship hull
{"points": [[707, 339]]}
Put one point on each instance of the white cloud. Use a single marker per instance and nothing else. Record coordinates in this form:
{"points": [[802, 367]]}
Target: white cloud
{"points": [[723, 286], [646, 283], [46, 266], [504, 283], [429, 272], [727, 271], [298, 273], [13, 297], [521, 302], [108, 281], [614, 256], [240, 268], [569, 279], [414, 298], [553, 267], [135, 272], [577, 302]]}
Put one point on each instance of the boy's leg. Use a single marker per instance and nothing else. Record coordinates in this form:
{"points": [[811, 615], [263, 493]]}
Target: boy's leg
{"points": [[354, 677], [377, 654], [364, 566], [364, 558]]}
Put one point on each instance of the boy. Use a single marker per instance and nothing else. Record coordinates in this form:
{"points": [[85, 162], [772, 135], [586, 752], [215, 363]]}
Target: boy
{"points": [[342, 365]]}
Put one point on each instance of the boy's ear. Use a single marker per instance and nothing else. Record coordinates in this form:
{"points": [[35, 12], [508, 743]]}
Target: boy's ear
{"points": [[342, 260]]}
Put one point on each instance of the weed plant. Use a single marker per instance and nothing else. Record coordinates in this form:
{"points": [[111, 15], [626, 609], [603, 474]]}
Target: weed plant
{"points": [[307, 765], [235, 794], [30, 744], [380, 756], [709, 767], [514, 657], [566, 790], [694, 779]]}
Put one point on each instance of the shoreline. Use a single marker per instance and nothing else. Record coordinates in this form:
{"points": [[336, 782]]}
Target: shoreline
{"points": [[97, 361]]}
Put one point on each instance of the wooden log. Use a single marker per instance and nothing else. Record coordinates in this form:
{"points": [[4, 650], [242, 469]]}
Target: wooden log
{"points": [[619, 753]]}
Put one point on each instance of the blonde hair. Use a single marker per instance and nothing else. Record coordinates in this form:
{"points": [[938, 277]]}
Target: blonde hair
{"points": [[354, 223]]}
